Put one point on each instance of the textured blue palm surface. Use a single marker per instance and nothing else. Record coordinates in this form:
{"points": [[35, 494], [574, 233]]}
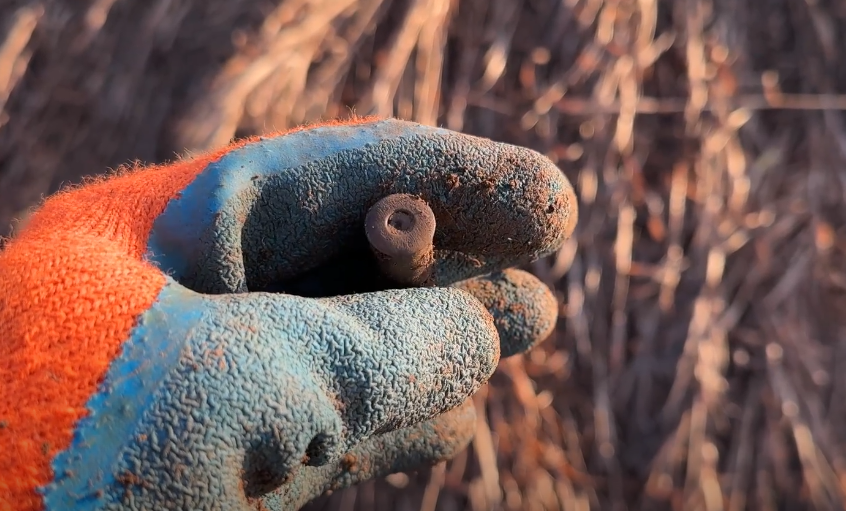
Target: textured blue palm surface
{"points": [[229, 399]]}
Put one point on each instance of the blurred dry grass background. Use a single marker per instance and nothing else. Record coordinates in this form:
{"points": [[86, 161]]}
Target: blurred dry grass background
{"points": [[699, 362]]}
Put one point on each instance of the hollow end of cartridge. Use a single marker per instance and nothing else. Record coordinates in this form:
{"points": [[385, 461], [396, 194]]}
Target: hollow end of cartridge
{"points": [[401, 232]]}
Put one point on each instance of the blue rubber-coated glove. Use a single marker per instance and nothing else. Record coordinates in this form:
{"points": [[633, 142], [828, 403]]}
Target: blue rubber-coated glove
{"points": [[216, 334]]}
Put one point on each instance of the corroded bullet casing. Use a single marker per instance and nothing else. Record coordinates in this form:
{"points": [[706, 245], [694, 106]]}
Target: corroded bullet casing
{"points": [[401, 231]]}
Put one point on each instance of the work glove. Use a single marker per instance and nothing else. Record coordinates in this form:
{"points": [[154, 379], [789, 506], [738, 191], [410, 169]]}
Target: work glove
{"points": [[223, 332]]}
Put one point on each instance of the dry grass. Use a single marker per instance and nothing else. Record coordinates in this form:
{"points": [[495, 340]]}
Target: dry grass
{"points": [[699, 362]]}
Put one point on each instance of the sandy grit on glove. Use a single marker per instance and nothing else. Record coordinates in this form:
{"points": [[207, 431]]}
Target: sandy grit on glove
{"points": [[145, 364]]}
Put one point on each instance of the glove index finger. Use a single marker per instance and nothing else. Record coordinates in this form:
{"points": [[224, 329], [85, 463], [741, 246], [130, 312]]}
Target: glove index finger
{"points": [[277, 207]]}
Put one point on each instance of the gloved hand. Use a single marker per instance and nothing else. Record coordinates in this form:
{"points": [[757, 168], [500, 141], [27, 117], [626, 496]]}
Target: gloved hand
{"points": [[146, 364]]}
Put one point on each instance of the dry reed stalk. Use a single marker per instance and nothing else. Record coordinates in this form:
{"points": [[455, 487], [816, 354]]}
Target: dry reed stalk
{"points": [[699, 359]]}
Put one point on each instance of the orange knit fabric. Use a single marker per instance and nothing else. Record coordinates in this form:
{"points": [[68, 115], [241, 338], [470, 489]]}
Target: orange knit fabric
{"points": [[72, 284]]}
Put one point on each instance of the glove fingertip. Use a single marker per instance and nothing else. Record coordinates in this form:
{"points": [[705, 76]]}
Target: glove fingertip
{"points": [[524, 309]]}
